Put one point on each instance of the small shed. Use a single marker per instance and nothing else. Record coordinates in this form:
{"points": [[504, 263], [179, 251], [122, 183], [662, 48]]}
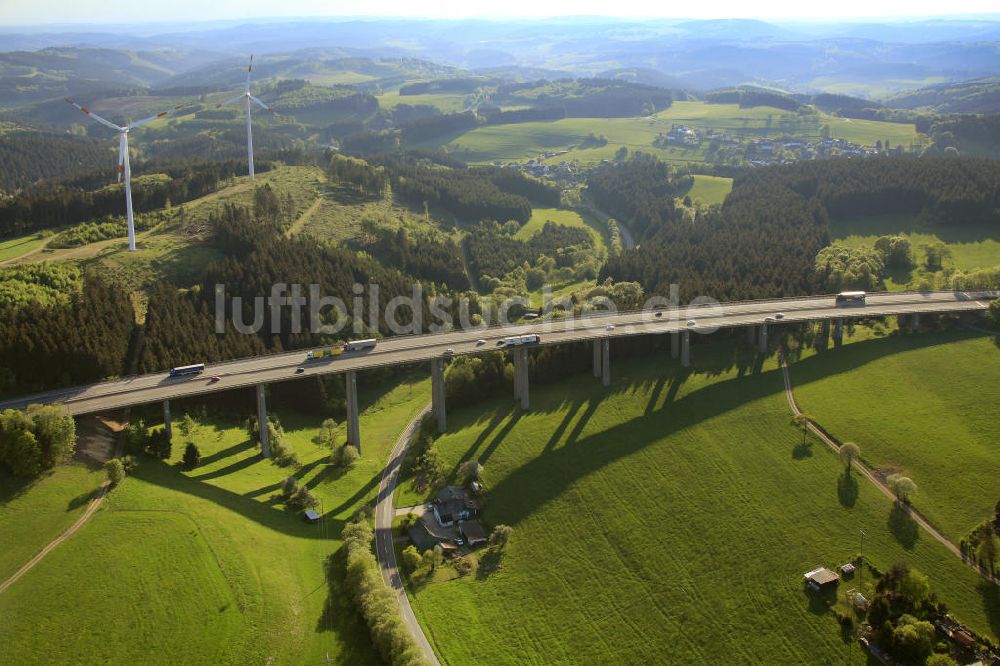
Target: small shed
{"points": [[311, 516], [847, 569], [821, 578]]}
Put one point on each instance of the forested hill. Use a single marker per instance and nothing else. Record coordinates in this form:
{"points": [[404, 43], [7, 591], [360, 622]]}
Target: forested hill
{"points": [[29, 157], [763, 241]]}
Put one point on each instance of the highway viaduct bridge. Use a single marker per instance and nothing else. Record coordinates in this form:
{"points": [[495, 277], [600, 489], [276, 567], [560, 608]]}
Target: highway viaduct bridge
{"points": [[679, 323]]}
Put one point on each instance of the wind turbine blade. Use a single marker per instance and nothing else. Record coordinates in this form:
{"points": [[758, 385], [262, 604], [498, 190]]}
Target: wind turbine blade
{"points": [[249, 69], [230, 101], [159, 115], [261, 104], [142, 122], [95, 116]]}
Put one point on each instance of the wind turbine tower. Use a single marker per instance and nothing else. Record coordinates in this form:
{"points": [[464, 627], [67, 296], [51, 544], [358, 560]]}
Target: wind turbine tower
{"points": [[123, 164], [248, 101]]}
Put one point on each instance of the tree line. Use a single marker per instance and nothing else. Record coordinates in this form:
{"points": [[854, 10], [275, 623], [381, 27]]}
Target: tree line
{"points": [[764, 241]]}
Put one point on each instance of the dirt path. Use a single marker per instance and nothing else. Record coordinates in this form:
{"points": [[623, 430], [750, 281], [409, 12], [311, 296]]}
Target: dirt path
{"points": [[304, 217], [384, 550], [867, 472], [91, 509]]}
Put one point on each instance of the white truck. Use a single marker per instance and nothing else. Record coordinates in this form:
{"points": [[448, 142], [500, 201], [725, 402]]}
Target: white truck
{"points": [[516, 340]]}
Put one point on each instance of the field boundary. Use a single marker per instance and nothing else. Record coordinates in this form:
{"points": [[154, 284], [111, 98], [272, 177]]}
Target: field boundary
{"points": [[869, 474]]}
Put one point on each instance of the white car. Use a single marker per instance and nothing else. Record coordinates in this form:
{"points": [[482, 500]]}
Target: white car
{"points": [[692, 323], [609, 327], [779, 315], [768, 319], [480, 342], [449, 351]]}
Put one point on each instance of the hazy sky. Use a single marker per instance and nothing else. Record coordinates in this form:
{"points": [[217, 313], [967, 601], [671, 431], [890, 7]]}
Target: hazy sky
{"points": [[13, 12]]}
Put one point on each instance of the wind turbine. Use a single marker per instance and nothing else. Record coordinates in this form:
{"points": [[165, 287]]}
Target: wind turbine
{"points": [[123, 163], [248, 100]]}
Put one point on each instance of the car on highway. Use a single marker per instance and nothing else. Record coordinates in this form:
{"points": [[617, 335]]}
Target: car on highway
{"points": [[658, 314], [299, 370], [609, 327], [213, 379], [691, 323], [449, 351], [480, 342], [779, 315], [769, 318]]}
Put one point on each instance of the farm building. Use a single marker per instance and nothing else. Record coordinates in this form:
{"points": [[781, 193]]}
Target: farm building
{"points": [[452, 503], [821, 578], [473, 532]]}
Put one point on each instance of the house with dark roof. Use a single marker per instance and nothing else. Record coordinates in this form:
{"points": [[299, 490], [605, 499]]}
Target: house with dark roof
{"points": [[452, 504]]}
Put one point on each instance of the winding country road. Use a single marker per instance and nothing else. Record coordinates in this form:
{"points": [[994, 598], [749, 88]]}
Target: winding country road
{"points": [[384, 550], [871, 476]]}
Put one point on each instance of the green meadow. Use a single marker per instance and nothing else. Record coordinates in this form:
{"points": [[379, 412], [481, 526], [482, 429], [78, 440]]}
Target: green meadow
{"points": [[668, 518], [971, 246], [206, 566], [905, 401], [12, 248], [710, 190]]}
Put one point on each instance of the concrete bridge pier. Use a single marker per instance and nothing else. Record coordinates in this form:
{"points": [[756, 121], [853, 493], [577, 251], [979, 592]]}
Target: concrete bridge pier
{"points": [[606, 361], [265, 433], [824, 333], [353, 425], [838, 331], [686, 349], [915, 322], [597, 358], [437, 394], [525, 384], [762, 339], [675, 343], [752, 335], [166, 420]]}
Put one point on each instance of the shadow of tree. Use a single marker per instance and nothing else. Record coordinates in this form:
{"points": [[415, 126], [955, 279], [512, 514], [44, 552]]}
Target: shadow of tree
{"points": [[847, 489], [340, 615], [82, 498], [802, 450], [490, 561], [990, 592], [903, 527]]}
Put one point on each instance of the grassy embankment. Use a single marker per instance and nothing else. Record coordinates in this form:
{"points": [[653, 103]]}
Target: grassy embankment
{"points": [[669, 518], [206, 566]]}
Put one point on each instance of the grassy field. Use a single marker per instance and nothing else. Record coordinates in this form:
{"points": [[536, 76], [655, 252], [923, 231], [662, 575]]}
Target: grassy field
{"points": [[206, 566], [445, 102], [33, 514], [971, 246], [567, 218], [710, 189], [13, 248], [914, 404], [523, 141], [668, 519]]}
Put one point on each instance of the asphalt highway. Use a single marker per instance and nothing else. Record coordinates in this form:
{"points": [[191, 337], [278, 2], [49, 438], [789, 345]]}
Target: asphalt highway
{"points": [[143, 389]]}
